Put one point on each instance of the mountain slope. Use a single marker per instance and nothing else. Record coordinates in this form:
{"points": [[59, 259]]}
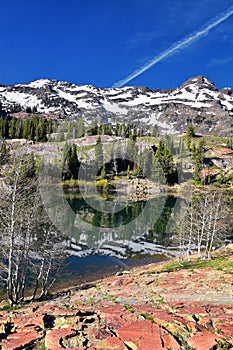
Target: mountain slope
{"points": [[197, 99]]}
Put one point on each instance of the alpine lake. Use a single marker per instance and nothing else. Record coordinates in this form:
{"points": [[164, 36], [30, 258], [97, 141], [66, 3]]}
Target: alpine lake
{"points": [[114, 231]]}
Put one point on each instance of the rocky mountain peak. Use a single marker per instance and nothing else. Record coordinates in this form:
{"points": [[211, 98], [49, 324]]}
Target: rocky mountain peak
{"points": [[201, 82], [197, 99]]}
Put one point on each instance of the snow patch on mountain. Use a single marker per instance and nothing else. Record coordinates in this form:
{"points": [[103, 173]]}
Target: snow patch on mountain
{"points": [[37, 84], [197, 99]]}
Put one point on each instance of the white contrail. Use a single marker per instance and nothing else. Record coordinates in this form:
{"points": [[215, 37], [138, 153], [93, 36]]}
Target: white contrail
{"points": [[178, 46]]}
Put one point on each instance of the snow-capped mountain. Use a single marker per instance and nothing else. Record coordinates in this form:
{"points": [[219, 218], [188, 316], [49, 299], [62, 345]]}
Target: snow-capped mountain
{"points": [[197, 99]]}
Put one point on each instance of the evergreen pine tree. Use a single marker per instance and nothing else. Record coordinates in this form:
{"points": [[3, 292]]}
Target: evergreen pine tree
{"points": [[42, 130], [74, 162], [19, 129], [99, 157], [3, 153], [131, 150], [26, 129], [1, 127], [32, 131], [190, 134], [66, 173], [70, 163], [127, 130], [198, 159], [80, 128], [93, 129], [12, 128], [5, 127], [163, 159]]}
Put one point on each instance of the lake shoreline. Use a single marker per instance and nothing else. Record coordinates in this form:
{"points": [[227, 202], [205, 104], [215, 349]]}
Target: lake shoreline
{"points": [[164, 304], [96, 273]]}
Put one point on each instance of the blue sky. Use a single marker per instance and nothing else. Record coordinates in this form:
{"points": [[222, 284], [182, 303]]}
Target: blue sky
{"points": [[100, 42]]}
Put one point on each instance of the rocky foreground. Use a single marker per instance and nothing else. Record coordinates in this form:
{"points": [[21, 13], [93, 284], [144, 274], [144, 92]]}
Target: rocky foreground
{"points": [[152, 307]]}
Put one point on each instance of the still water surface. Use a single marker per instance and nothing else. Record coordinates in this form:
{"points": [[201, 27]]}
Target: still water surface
{"points": [[105, 241]]}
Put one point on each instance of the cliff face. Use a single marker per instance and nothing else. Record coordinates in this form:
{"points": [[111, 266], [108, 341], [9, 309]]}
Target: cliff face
{"points": [[197, 99], [150, 307]]}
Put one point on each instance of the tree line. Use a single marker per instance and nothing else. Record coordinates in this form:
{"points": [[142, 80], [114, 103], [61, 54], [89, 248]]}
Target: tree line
{"points": [[155, 163], [34, 128], [37, 128]]}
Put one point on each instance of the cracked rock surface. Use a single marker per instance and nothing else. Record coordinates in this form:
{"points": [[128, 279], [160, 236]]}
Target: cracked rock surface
{"points": [[141, 309]]}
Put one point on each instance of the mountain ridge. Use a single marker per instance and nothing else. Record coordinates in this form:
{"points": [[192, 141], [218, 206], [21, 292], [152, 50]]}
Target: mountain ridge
{"points": [[197, 100]]}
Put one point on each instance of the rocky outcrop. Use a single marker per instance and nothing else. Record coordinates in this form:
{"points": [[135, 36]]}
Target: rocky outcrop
{"points": [[145, 308], [197, 99]]}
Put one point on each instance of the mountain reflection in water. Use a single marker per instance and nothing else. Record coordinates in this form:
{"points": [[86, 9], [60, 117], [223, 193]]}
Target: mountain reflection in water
{"points": [[140, 229]]}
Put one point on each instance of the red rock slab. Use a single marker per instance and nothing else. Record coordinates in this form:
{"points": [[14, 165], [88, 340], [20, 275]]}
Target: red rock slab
{"points": [[118, 282], [192, 326], [173, 280], [203, 341], [27, 320], [54, 309], [57, 311], [207, 323], [115, 309], [113, 316], [215, 309], [226, 329], [115, 282], [116, 315], [177, 305], [166, 285], [127, 280], [169, 342], [157, 314], [98, 334], [23, 338], [54, 337], [222, 319], [193, 310], [111, 343], [163, 315], [143, 334]]}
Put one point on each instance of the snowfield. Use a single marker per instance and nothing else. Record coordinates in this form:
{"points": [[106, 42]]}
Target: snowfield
{"points": [[168, 109]]}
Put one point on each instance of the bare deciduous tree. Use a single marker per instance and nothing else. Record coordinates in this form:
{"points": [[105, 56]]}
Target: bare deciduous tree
{"points": [[204, 224], [30, 245]]}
